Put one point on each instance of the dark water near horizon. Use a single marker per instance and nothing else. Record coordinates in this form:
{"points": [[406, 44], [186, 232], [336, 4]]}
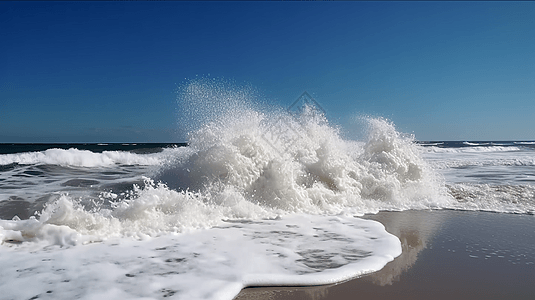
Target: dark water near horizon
{"points": [[461, 144], [7, 148]]}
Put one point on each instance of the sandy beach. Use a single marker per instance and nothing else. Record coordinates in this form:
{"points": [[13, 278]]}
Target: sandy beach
{"points": [[447, 254]]}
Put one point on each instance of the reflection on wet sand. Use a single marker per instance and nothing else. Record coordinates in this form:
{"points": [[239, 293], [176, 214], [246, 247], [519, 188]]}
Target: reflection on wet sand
{"points": [[447, 254], [276, 293], [413, 228]]}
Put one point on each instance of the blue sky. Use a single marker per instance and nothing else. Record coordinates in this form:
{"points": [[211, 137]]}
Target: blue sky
{"points": [[109, 71]]}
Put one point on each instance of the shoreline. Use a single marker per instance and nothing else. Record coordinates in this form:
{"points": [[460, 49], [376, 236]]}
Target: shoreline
{"points": [[446, 254]]}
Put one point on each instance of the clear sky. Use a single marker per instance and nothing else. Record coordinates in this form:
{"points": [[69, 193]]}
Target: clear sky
{"points": [[109, 71]]}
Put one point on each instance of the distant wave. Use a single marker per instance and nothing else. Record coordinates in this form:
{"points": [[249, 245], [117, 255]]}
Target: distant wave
{"points": [[472, 149], [475, 144], [84, 158], [472, 144], [484, 163], [431, 144]]}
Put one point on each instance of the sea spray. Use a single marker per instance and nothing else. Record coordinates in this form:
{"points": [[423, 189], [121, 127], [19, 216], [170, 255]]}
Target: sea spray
{"points": [[231, 209], [230, 170], [319, 173]]}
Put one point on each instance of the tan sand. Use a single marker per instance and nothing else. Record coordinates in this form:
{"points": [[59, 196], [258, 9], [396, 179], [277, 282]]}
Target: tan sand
{"points": [[446, 255]]}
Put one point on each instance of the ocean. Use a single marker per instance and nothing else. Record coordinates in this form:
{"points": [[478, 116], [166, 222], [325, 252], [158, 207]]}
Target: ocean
{"points": [[252, 199]]}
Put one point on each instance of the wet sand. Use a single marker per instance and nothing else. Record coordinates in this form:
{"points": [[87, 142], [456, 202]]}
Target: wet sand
{"points": [[446, 255]]}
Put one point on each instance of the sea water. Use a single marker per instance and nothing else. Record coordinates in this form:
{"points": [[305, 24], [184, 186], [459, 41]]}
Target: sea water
{"points": [[488, 176], [256, 197]]}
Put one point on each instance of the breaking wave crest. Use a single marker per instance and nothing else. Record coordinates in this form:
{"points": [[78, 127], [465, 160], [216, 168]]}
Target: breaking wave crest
{"points": [[231, 171]]}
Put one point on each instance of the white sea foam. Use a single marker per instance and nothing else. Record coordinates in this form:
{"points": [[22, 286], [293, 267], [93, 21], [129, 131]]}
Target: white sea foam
{"points": [[488, 178], [462, 163], [495, 198], [207, 264]]}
